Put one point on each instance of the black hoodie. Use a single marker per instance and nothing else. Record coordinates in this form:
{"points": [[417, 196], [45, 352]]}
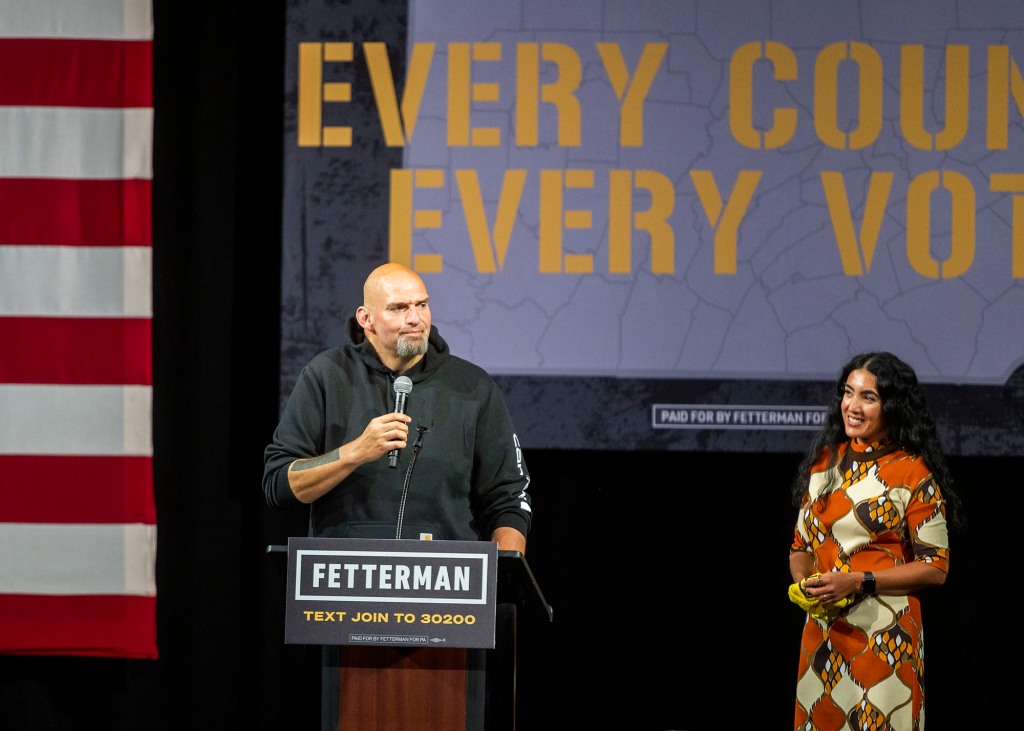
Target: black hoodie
{"points": [[468, 478]]}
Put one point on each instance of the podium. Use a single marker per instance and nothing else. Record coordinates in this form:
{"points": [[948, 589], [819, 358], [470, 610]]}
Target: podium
{"points": [[381, 687]]}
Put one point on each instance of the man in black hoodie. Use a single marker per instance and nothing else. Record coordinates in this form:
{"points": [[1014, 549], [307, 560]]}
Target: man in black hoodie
{"points": [[464, 477]]}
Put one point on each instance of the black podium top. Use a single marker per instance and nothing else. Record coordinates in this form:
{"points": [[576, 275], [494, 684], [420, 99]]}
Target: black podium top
{"points": [[516, 584]]}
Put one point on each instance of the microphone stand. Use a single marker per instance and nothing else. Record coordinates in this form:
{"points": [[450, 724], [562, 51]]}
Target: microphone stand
{"points": [[408, 477]]}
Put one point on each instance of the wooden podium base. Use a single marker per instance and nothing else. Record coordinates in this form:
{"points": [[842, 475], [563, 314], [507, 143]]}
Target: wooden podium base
{"points": [[374, 688]]}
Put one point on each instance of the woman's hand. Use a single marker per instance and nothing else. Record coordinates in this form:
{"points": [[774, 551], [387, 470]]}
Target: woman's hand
{"points": [[831, 587]]}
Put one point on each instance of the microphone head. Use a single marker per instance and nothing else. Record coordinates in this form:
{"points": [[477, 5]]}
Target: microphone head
{"points": [[403, 384]]}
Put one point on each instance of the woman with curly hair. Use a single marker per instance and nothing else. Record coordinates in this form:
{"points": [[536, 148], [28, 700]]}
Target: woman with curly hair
{"points": [[875, 502]]}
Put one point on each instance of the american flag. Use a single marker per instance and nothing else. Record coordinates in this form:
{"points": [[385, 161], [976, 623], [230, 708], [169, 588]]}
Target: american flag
{"points": [[77, 509]]}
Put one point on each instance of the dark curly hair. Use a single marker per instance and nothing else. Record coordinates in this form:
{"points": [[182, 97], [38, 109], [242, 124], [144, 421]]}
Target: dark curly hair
{"points": [[909, 423]]}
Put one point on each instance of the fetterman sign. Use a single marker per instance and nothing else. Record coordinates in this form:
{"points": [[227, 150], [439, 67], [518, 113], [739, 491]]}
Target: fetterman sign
{"points": [[347, 591]]}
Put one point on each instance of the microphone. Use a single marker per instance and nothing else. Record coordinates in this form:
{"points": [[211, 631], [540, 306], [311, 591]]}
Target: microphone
{"points": [[402, 388]]}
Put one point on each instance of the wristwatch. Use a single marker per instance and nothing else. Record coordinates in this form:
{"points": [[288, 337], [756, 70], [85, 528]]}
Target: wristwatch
{"points": [[867, 586]]}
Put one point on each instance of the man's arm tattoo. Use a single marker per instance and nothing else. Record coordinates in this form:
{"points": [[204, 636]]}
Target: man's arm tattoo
{"points": [[308, 464]]}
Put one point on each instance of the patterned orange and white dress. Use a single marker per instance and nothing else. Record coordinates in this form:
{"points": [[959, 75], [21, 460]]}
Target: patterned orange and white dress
{"points": [[864, 670]]}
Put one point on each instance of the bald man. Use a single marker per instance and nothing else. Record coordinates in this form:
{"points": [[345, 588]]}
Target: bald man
{"points": [[465, 478]]}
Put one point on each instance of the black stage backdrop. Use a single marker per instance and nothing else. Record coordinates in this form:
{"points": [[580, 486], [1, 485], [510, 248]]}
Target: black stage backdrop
{"points": [[667, 571]]}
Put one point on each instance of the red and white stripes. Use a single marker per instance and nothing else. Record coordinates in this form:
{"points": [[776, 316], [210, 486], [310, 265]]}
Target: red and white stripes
{"points": [[77, 511]]}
